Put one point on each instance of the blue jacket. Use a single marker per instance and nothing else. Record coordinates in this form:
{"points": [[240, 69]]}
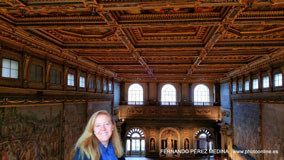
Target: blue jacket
{"points": [[78, 155]]}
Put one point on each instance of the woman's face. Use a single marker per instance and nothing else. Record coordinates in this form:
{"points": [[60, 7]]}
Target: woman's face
{"points": [[103, 128]]}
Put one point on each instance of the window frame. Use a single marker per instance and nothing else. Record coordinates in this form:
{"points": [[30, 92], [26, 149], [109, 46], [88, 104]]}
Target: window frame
{"points": [[135, 97], [56, 77], [172, 95], [240, 86], [38, 76], [234, 87], [247, 87], [255, 84], [82, 82], [278, 81], [130, 139], [198, 95], [10, 69], [70, 80], [91, 83], [265, 82]]}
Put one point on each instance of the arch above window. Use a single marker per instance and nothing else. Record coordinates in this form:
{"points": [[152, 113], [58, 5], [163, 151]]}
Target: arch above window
{"points": [[201, 95], [135, 94], [135, 142], [168, 95], [204, 133]]}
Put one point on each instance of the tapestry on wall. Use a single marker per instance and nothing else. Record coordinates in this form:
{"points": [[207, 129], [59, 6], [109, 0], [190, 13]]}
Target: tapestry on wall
{"points": [[30, 133]]}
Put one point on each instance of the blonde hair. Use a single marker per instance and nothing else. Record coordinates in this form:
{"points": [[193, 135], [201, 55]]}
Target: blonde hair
{"points": [[89, 144]]}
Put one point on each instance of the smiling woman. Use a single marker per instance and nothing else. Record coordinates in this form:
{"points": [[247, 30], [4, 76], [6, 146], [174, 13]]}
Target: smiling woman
{"points": [[100, 140]]}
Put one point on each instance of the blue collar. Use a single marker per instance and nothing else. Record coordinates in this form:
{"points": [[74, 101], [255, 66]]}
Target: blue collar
{"points": [[107, 153]]}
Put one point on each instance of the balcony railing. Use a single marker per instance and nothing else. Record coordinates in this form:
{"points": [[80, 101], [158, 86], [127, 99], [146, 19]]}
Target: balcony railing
{"points": [[170, 103], [170, 112], [135, 102], [203, 103]]}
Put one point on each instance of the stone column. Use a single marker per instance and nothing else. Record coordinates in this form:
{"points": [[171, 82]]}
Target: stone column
{"points": [[250, 83], [65, 73], [148, 94], [271, 82], [282, 70], [26, 61], [77, 82], [48, 65], [223, 132], [122, 91], [157, 94], [190, 100], [217, 94], [87, 81], [259, 81]]}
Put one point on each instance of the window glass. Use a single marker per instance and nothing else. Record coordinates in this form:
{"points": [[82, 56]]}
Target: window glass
{"points": [[255, 84], [201, 95], [91, 83], [234, 87], [278, 79], [265, 82], [105, 84], [246, 85], [99, 83], [70, 79], [240, 86], [36, 73], [82, 82], [135, 94], [55, 76], [168, 95], [10, 68]]}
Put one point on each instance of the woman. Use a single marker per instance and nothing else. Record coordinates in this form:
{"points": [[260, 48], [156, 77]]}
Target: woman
{"points": [[100, 140]]}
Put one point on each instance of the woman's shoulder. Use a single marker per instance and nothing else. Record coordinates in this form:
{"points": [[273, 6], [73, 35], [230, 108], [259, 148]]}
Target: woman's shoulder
{"points": [[79, 155], [121, 158]]}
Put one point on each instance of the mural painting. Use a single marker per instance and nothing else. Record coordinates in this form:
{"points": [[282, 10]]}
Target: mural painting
{"points": [[30, 133], [75, 121]]}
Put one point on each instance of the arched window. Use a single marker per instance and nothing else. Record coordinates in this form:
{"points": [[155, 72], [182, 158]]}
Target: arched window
{"points": [[201, 95], [204, 139], [168, 95], [135, 94], [135, 142]]}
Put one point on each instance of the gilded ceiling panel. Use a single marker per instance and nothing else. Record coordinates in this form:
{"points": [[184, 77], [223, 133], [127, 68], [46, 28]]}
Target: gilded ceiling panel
{"points": [[147, 39], [87, 33], [258, 29], [50, 11], [169, 31], [265, 7]]}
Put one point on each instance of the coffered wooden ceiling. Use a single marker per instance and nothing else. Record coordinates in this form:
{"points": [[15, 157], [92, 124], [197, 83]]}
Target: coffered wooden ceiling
{"points": [[150, 40]]}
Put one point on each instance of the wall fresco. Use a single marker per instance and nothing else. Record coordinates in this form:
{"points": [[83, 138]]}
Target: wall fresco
{"points": [[246, 126], [95, 106], [74, 124], [30, 133], [273, 129]]}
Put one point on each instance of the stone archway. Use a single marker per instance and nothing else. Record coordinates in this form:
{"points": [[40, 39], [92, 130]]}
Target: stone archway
{"points": [[169, 141]]}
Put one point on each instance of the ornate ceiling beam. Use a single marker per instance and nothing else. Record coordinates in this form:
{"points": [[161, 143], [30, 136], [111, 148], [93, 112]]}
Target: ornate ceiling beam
{"points": [[20, 38], [112, 22], [227, 21], [19, 5], [15, 3], [274, 57], [75, 24], [130, 5]]}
